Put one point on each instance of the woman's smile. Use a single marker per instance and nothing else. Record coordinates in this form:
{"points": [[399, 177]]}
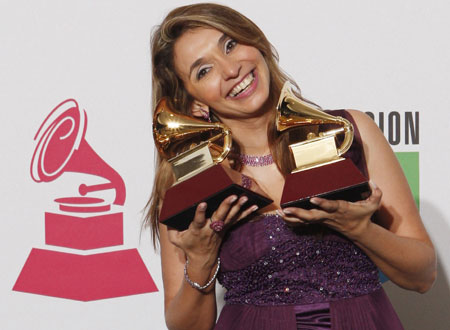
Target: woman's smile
{"points": [[246, 87]]}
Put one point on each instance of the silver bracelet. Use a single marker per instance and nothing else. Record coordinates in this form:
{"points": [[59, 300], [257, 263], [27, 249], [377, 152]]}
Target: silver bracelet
{"points": [[195, 285]]}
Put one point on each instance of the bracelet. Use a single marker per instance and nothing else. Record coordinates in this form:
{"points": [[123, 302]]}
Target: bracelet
{"points": [[195, 285]]}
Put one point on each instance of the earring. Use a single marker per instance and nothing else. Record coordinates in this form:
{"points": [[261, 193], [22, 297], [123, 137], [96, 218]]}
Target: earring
{"points": [[201, 110], [206, 115]]}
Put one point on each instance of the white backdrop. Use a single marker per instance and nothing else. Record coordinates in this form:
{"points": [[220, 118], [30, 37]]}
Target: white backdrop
{"points": [[378, 56]]}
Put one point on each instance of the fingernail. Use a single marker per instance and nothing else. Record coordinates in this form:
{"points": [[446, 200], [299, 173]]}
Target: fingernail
{"points": [[314, 200], [254, 208], [202, 206], [243, 200], [233, 199], [374, 186], [287, 211], [280, 213]]}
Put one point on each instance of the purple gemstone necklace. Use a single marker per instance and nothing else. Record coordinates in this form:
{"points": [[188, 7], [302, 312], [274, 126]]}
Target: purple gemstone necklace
{"points": [[256, 161]]}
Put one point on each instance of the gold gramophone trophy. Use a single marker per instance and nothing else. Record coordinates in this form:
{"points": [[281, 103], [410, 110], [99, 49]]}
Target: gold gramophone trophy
{"points": [[199, 175], [320, 170]]}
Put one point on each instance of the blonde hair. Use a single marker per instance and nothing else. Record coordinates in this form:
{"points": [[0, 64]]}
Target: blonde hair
{"points": [[166, 83]]}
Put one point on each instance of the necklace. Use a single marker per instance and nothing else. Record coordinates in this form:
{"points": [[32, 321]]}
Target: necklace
{"points": [[256, 161]]}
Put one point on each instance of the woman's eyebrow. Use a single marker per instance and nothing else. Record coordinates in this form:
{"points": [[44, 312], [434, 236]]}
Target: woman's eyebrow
{"points": [[198, 61], [222, 40]]}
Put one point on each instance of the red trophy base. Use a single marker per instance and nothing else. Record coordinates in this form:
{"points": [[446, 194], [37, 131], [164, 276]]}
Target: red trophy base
{"points": [[337, 181], [211, 186], [85, 277]]}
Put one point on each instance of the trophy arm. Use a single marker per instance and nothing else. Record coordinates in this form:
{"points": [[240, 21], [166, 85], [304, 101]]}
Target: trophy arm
{"points": [[347, 129], [226, 147]]}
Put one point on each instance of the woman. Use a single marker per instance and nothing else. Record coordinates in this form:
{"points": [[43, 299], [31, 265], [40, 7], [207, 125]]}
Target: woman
{"points": [[283, 269]]}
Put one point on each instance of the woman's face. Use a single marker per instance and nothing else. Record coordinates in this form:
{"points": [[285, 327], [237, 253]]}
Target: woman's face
{"points": [[229, 77]]}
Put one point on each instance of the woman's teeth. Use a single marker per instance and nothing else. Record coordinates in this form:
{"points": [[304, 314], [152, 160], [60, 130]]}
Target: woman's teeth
{"points": [[243, 85]]}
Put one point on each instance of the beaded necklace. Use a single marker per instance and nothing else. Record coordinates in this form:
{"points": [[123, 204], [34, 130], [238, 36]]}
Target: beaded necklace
{"points": [[256, 161]]}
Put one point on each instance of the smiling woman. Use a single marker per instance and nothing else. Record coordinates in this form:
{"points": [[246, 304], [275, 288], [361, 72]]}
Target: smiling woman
{"points": [[283, 268]]}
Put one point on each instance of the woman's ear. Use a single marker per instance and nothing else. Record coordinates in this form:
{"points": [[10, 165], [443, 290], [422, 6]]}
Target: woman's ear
{"points": [[200, 110]]}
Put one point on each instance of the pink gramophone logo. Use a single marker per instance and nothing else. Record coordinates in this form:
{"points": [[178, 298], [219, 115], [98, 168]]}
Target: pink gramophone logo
{"points": [[82, 222]]}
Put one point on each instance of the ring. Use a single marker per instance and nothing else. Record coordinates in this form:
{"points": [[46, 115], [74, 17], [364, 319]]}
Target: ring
{"points": [[216, 225]]}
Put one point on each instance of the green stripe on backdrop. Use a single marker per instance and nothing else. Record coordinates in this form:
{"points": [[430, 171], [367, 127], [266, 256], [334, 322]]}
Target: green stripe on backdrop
{"points": [[409, 161]]}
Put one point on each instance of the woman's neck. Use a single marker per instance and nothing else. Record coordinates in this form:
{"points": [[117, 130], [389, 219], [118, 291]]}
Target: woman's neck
{"points": [[251, 134]]}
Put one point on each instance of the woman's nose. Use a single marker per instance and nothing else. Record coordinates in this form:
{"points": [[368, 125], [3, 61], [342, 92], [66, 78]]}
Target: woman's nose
{"points": [[230, 68]]}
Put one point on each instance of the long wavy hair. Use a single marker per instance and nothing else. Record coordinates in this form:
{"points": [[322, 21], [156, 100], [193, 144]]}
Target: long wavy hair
{"points": [[167, 84]]}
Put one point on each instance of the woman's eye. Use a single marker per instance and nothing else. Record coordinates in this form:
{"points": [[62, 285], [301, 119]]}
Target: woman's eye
{"points": [[229, 45], [202, 72]]}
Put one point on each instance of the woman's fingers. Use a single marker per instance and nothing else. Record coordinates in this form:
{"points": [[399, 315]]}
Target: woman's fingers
{"points": [[328, 205], [377, 194], [230, 210], [235, 209], [224, 208], [291, 220], [348, 218], [177, 237], [247, 212], [199, 218], [304, 215]]}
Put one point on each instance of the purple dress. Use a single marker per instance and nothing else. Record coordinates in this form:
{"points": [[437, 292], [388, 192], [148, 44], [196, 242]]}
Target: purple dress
{"points": [[305, 278]]}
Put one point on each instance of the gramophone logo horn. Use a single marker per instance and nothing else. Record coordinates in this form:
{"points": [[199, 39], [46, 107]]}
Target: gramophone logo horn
{"points": [[61, 147], [82, 222]]}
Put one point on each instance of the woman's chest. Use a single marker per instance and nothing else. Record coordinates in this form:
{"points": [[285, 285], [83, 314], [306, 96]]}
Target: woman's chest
{"points": [[270, 181]]}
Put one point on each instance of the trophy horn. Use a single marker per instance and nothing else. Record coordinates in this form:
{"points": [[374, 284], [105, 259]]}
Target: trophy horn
{"points": [[169, 128], [295, 112]]}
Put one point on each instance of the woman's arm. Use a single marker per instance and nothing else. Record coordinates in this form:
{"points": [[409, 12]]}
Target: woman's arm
{"points": [[398, 243], [187, 307]]}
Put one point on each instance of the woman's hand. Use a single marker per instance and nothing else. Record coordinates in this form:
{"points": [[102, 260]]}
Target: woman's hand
{"points": [[351, 219], [199, 241]]}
